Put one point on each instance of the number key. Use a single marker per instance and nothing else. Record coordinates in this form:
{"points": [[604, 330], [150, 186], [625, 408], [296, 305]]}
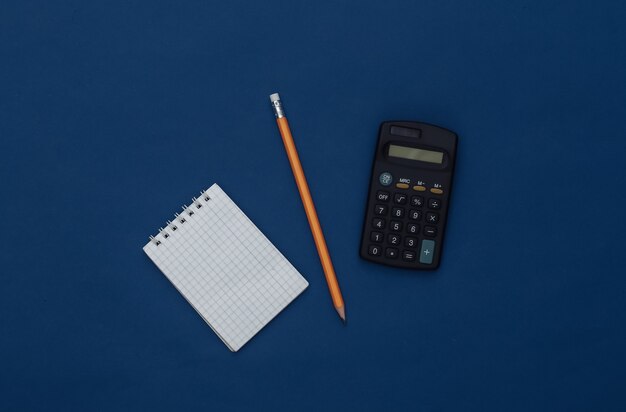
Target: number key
{"points": [[397, 212], [374, 250], [376, 237], [380, 210], [378, 223], [393, 239], [412, 228], [415, 215], [396, 226], [410, 242]]}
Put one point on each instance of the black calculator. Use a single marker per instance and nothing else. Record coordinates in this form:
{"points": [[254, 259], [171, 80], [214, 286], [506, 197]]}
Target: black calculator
{"points": [[409, 195]]}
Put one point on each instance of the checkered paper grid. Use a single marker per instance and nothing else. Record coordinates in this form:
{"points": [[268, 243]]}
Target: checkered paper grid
{"points": [[223, 265]]}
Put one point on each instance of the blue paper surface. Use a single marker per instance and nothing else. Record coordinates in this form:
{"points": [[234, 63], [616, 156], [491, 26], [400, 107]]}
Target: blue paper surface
{"points": [[114, 114]]}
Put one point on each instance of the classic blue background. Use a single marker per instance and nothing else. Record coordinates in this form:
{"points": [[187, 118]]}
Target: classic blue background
{"points": [[113, 114]]}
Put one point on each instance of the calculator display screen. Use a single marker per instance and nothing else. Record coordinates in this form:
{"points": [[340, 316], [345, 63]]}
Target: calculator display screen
{"points": [[412, 153]]}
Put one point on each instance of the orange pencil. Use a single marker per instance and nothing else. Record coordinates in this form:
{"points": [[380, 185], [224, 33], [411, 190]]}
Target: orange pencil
{"points": [[309, 207]]}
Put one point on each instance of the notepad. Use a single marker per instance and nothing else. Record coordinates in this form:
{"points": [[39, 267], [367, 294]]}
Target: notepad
{"points": [[223, 265]]}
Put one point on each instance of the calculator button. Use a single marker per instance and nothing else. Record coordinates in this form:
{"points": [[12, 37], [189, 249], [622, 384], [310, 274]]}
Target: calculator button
{"points": [[412, 228], [434, 204], [380, 210], [385, 178], [436, 191], [402, 185], [378, 223], [419, 188], [382, 196], [410, 242], [415, 215], [376, 237], [417, 201], [374, 250], [432, 217], [409, 255], [393, 239], [391, 253], [399, 198], [397, 212], [430, 231], [427, 251], [396, 226]]}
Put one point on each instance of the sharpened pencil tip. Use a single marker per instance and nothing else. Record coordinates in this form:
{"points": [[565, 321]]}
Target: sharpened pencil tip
{"points": [[342, 314]]}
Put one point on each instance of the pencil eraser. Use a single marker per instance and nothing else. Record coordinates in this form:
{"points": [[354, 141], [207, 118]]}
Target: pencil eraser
{"points": [[274, 97]]}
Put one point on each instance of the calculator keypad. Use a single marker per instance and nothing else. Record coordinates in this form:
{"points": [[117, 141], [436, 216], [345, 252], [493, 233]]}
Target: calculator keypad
{"points": [[410, 234]]}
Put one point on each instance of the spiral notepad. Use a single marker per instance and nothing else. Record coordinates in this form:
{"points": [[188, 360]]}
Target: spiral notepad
{"points": [[230, 273]]}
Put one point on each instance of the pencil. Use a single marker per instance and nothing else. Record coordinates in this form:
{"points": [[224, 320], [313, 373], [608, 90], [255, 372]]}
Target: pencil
{"points": [[309, 207]]}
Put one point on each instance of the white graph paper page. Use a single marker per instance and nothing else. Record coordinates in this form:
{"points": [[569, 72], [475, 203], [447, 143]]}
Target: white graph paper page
{"points": [[225, 267]]}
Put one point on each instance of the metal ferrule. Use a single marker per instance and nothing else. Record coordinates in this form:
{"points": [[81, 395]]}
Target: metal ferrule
{"points": [[278, 109]]}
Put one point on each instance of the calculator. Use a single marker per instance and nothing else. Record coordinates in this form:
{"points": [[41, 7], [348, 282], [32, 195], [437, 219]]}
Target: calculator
{"points": [[409, 195]]}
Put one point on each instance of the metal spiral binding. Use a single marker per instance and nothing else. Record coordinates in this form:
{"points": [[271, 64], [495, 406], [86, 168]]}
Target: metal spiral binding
{"points": [[180, 219]]}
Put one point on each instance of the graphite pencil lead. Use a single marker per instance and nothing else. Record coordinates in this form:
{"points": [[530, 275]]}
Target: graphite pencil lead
{"points": [[342, 313]]}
